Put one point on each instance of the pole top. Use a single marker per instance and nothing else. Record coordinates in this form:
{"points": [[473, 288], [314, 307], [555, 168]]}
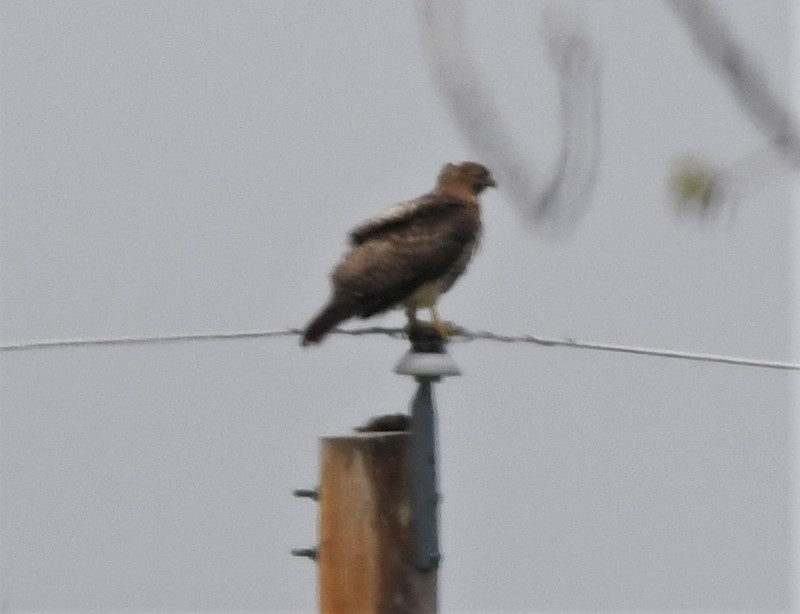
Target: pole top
{"points": [[427, 357]]}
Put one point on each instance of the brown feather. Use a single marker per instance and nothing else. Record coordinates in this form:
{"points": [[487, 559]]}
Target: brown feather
{"points": [[337, 310], [393, 217], [383, 270]]}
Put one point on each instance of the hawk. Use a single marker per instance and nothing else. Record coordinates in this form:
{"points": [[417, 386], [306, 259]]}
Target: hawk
{"points": [[408, 255]]}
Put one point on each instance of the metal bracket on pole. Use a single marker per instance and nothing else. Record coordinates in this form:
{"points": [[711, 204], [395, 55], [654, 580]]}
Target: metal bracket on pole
{"points": [[427, 362], [313, 494]]}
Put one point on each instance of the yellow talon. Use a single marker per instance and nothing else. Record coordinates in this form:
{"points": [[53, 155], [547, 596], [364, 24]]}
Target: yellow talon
{"points": [[444, 329]]}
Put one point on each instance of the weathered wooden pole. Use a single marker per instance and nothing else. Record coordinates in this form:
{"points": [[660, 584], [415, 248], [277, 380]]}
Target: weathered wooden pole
{"points": [[378, 549], [365, 556]]}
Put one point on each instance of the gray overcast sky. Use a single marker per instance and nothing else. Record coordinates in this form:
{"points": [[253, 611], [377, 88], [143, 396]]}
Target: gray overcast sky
{"points": [[192, 167]]}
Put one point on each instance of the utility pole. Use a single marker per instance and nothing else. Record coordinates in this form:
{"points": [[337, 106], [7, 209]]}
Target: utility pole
{"points": [[378, 500]]}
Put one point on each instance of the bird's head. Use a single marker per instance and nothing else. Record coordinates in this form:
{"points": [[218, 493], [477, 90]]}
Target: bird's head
{"points": [[469, 176]]}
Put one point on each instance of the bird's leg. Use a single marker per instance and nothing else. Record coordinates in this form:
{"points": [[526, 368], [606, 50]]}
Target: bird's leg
{"points": [[413, 323], [444, 329]]}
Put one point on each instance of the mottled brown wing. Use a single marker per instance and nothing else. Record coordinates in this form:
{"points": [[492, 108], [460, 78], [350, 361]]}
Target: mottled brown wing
{"points": [[392, 218], [391, 261]]}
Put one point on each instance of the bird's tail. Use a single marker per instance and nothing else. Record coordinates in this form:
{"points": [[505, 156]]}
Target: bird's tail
{"points": [[337, 310]]}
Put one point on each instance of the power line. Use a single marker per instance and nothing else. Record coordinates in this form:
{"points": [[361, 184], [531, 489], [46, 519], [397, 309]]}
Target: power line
{"points": [[163, 339], [630, 349], [462, 335]]}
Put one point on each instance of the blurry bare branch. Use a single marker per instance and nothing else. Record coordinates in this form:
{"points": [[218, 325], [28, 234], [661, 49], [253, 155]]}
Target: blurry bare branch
{"points": [[743, 75], [696, 184], [560, 201]]}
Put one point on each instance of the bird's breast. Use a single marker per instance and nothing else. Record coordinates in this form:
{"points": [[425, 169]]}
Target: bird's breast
{"points": [[425, 296]]}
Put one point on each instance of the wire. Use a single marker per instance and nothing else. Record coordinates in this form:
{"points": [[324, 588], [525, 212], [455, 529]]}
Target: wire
{"points": [[58, 343], [629, 349], [461, 335]]}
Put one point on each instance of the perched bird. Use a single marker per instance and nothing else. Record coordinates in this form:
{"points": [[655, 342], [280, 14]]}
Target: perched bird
{"points": [[409, 255]]}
